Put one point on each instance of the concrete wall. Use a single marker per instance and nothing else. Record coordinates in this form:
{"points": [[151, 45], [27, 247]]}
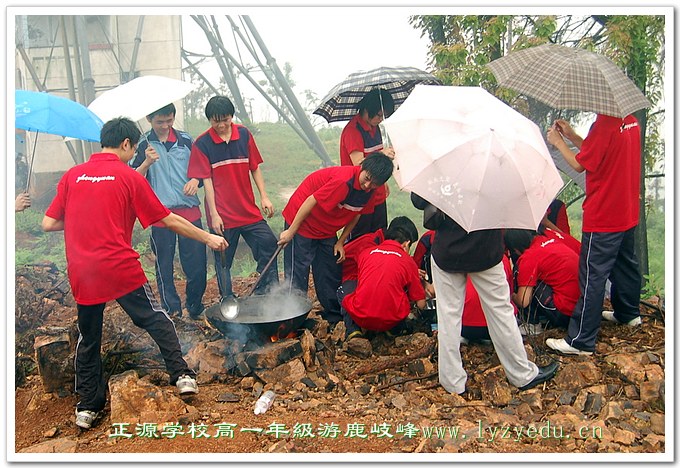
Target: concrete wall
{"points": [[111, 43]]}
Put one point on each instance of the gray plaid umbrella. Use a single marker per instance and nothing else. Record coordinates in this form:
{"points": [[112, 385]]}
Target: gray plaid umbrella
{"points": [[341, 102], [570, 78]]}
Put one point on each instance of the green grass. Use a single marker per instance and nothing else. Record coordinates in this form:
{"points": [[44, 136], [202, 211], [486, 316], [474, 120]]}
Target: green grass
{"points": [[287, 160]]}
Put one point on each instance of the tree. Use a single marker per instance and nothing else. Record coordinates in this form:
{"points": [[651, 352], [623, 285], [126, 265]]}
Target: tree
{"points": [[461, 46]]}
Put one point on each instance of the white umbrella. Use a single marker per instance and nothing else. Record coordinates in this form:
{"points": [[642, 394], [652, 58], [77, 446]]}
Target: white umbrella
{"points": [[138, 98], [474, 157]]}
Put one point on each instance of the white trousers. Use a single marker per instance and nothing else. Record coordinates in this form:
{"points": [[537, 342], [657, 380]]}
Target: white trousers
{"points": [[494, 294]]}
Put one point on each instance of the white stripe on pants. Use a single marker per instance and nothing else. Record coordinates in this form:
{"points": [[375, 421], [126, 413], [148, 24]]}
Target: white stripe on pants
{"points": [[494, 295]]}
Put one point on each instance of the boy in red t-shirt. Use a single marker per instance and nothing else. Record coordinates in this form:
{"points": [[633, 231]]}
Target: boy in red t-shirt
{"points": [[547, 277], [610, 156], [326, 201], [388, 281], [226, 157], [96, 205], [361, 137]]}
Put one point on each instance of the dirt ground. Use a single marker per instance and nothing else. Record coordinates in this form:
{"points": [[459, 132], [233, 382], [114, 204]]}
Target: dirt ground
{"points": [[385, 402]]}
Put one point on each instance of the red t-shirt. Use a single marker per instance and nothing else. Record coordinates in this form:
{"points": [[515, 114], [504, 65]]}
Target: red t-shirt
{"points": [[339, 198], [473, 315], [610, 155], [351, 140], [229, 165], [388, 281], [423, 248], [99, 202], [555, 264], [565, 238], [350, 267]]}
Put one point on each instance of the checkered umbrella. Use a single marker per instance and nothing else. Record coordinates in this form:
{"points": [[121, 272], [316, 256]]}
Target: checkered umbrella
{"points": [[341, 102], [570, 78]]}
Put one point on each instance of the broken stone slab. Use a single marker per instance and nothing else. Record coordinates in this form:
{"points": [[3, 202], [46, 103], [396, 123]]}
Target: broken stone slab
{"points": [[649, 391], [593, 404], [210, 357], [286, 374], [359, 347], [61, 445], [655, 442], [54, 355], [576, 375], [134, 400], [273, 354], [628, 365], [495, 387], [654, 373], [420, 367], [308, 344], [657, 423]]}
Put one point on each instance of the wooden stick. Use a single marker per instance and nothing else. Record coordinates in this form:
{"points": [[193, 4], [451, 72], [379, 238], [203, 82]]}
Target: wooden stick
{"points": [[372, 368]]}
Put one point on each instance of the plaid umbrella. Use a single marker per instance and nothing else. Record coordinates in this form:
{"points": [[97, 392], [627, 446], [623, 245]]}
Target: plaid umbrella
{"points": [[341, 102], [570, 78]]}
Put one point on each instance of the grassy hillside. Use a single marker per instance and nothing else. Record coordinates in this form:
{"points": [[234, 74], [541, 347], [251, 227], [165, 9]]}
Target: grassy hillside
{"points": [[287, 160]]}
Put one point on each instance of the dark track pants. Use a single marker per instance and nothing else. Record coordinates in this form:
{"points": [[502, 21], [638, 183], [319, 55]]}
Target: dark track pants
{"points": [[346, 288], [543, 305], [302, 253], [262, 242], [193, 258], [145, 313], [604, 255]]}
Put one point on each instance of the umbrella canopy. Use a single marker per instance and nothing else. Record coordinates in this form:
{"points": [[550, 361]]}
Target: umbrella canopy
{"points": [[474, 157], [570, 78], [47, 113], [341, 102], [138, 98]]}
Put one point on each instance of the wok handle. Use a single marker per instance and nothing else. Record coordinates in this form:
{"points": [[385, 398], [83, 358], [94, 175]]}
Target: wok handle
{"points": [[264, 270]]}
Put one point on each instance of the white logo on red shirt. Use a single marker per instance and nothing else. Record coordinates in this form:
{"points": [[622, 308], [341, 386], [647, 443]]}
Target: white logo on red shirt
{"points": [[386, 252], [94, 179]]}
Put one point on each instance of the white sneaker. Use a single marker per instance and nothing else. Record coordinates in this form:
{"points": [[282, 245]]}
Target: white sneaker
{"points": [[560, 345], [609, 316], [530, 329], [464, 340], [85, 418], [187, 385]]}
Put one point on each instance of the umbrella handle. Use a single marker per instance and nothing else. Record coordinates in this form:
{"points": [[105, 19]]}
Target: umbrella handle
{"points": [[30, 167]]}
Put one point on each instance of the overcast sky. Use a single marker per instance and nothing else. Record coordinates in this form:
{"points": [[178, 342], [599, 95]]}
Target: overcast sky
{"points": [[323, 45]]}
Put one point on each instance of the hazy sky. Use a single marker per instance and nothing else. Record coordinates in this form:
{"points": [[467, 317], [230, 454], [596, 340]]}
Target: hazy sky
{"points": [[323, 45]]}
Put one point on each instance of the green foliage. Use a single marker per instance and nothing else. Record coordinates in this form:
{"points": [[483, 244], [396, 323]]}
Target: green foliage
{"points": [[654, 286], [32, 245]]}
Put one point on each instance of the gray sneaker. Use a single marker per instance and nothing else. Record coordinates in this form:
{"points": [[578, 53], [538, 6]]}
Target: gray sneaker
{"points": [[187, 385], [608, 315], [85, 418]]}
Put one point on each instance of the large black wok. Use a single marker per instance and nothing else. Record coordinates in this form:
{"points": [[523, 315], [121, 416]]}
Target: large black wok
{"points": [[261, 317]]}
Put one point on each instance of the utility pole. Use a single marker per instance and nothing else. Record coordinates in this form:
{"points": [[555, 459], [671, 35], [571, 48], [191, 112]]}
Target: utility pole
{"points": [[302, 119]]}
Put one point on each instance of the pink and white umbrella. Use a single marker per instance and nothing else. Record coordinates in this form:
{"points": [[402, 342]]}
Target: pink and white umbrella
{"points": [[473, 156]]}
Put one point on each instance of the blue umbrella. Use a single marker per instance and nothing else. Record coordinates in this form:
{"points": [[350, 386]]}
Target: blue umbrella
{"points": [[47, 113]]}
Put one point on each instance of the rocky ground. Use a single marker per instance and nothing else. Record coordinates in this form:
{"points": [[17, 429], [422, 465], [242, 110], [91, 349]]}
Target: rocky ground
{"points": [[377, 396]]}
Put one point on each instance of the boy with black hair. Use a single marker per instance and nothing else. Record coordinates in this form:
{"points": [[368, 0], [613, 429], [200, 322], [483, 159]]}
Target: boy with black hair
{"points": [[96, 205], [225, 157], [388, 281], [326, 201], [362, 137], [163, 157], [547, 278]]}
